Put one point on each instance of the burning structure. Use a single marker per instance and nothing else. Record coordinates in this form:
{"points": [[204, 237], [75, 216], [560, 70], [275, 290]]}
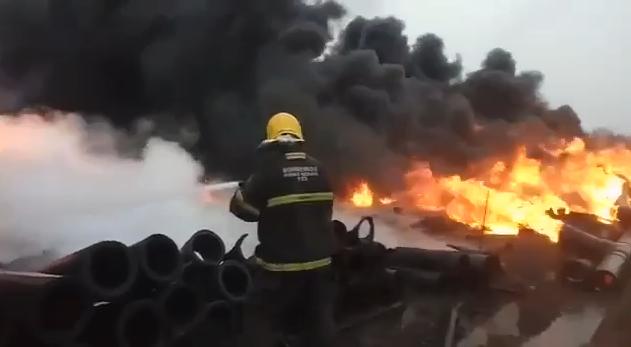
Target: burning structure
{"points": [[504, 196]]}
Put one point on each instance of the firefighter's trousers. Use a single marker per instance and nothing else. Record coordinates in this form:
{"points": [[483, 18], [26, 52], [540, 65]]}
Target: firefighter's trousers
{"points": [[293, 307]]}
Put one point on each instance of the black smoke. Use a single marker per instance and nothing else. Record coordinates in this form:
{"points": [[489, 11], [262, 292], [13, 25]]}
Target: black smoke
{"points": [[369, 102]]}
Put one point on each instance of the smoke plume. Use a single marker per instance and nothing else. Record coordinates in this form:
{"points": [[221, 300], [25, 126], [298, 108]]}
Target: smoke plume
{"points": [[208, 73], [64, 186]]}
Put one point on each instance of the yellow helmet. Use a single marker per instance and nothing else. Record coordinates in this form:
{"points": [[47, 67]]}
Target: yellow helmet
{"points": [[283, 124]]}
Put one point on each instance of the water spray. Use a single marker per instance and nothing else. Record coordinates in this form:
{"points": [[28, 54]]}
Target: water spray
{"points": [[221, 186]]}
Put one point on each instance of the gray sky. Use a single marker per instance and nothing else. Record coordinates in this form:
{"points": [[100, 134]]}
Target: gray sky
{"points": [[582, 46]]}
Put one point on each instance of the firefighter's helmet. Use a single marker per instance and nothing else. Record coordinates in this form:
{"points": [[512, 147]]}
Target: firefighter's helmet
{"points": [[283, 124]]}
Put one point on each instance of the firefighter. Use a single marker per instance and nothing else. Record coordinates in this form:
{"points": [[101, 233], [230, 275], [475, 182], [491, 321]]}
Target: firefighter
{"points": [[290, 197]]}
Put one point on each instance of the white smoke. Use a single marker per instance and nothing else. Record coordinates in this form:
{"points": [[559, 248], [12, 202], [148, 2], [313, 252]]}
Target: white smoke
{"points": [[63, 186]]}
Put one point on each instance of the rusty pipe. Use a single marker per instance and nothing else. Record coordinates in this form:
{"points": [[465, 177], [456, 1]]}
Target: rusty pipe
{"points": [[204, 246], [106, 269]]}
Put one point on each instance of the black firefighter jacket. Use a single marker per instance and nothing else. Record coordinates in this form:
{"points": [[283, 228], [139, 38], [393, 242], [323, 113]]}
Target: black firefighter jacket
{"points": [[291, 198]]}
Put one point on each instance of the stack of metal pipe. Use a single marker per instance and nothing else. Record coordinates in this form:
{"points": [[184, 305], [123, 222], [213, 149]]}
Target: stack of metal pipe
{"points": [[150, 294], [594, 263], [364, 263], [591, 260]]}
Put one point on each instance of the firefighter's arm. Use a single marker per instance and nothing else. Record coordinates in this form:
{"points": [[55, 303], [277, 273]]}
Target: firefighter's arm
{"points": [[246, 202], [242, 209]]}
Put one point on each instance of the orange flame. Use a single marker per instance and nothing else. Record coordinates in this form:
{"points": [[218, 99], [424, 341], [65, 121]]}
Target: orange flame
{"points": [[509, 195], [387, 201], [362, 196]]}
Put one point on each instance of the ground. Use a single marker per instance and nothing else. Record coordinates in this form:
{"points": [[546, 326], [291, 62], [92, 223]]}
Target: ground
{"points": [[533, 308]]}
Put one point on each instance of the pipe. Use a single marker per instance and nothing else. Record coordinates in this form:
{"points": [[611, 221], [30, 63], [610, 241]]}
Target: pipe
{"points": [[106, 269], [159, 263], [366, 256], [141, 325], [137, 324], [430, 260], [577, 270], [484, 263], [5, 328], [101, 329], [21, 336], [199, 277], [31, 263], [182, 307], [450, 335], [612, 265], [204, 246], [471, 268], [419, 279], [54, 308], [234, 281], [341, 234], [582, 243], [353, 234], [218, 324], [613, 329], [236, 253], [228, 281]]}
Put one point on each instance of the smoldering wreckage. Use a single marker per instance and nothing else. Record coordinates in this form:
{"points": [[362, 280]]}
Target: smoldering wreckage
{"points": [[532, 205]]}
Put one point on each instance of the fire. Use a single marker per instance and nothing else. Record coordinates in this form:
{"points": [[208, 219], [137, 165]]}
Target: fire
{"points": [[387, 201], [509, 195], [362, 196]]}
